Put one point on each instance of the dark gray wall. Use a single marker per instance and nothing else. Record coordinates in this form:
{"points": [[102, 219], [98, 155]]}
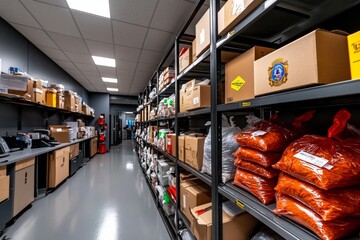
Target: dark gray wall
{"points": [[17, 51], [101, 104]]}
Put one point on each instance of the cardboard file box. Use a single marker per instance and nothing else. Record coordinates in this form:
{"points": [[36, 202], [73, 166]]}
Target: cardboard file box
{"points": [[185, 58], [319, 57], [354, 54]]}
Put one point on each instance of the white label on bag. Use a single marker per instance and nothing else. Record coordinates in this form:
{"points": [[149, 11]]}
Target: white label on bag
{"points": [[317, 161], [202, 36], [268, 3], [196, 100], [184, 201], [238, 6], [59, 129], [258, 133]]}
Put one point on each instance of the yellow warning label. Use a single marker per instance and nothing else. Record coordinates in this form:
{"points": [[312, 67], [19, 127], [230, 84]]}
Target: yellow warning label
{"points": [[246, 104], [237, 83], [239, 204]]}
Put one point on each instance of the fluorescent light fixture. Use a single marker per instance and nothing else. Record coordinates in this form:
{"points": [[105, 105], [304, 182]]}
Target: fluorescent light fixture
{"points": [[112, 89], [103, 61], [97, 7], [129, 113], [110, 80]]}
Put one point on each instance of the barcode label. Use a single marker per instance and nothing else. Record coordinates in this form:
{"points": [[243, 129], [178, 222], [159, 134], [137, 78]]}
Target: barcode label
{"points": [[317, 161], [258, 133]]}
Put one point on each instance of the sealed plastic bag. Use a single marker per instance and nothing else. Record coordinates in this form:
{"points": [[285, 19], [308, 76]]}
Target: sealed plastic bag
{"points": [[265, 159], [260, 187], [324, 162], [229, 146], [266, 172], [267, 234], [272, 136], [296, 211], [329, 204]]}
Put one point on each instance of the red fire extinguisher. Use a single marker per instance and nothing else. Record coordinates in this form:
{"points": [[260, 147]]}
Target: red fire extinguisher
{"points": [[101, 120]]}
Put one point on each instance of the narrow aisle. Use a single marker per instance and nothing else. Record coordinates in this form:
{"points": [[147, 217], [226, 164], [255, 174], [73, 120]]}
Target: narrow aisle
{"points": [[108, 199]]}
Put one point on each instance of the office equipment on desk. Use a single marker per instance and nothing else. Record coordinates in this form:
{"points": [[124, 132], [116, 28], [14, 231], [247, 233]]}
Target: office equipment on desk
{"points": [[41, 138]]}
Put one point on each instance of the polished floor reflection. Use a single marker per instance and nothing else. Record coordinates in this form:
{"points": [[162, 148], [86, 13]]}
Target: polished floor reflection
{"points": [[107, 199]]}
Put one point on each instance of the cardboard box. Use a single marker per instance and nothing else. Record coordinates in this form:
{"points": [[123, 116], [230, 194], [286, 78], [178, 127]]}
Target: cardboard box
{"points": [[13, 82], [28, 94], [4, 188], [60, 101], [60, 133], [237, 228], [74, 151], [354, 54], [198, 97], [85, 109], [185, 58], [194, 151], [233, 12], [39, 92], [239, 75], [171, 144], [69, 101], [195, 195], [2, 171], [202, 33], [193, 50], [182, 192], [51, 97], [181, 148], [317, 58]]}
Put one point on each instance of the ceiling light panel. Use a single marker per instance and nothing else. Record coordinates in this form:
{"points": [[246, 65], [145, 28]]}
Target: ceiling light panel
{"points": [[112, 89], [103, 61], [109, 80], [97, 7]]}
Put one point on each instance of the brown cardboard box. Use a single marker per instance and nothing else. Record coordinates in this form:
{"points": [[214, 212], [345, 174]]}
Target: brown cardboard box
{"points": [[74, 151], [183, 186], [28, 94], [181, 148], [60, 100], [185, 59], [39, 95], [4, 187], [239, 75], [85, 109], [60, 133], [236, 228], [193, 50], [2, 171], [185, 176], [198, 97], [69, 101], [233, 12], [194, 151], [195, 195], [317, 58], [202, 32], [354, 54]]}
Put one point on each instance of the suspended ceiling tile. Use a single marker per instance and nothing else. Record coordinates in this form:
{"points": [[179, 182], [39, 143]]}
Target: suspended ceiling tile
{"points": [[174, 11], [100, 49], [80, 58], [107, 71], [147, 67], [143, 75], [60, 3], [54, 54], [125, 73], [53, 18], [70, 44], [125, 65], [92, 74], [148, 56], [127, 53], [93, 27], [133, 11], [158, 40], [22, 16], [66, 65], [128, 35], [86, 67], [36, 36]]}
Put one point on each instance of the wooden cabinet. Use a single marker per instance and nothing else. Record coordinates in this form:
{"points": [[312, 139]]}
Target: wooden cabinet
{"points": [[74, 151], [93, 146], [24, 184], [58, 167], [4, 184]]}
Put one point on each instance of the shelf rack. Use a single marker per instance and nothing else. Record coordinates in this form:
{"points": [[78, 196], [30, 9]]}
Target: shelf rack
{"points": [[295, 19]]}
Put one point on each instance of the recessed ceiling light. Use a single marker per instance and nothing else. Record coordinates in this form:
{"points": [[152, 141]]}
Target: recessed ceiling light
{"points": [[112, 89], [103, 61], [110, 80], [97, 7]]}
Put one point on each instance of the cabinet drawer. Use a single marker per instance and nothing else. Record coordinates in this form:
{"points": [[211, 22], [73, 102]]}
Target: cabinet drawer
{"points": [[4, 187], [2, 171], [23, 188], [74, 151], [58, 170], [24, 164], [61, 152]]}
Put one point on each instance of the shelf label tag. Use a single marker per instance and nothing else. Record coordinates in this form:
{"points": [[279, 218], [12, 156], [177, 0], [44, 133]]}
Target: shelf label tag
{"points": [[268, 3], [245, 104], [237, 83], [196, 100], [202, 36], [239, 204], [258, 133], [315, 160]]}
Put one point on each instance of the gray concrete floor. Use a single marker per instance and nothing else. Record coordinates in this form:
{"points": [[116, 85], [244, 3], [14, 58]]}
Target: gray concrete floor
{"points": [[107, 199]]}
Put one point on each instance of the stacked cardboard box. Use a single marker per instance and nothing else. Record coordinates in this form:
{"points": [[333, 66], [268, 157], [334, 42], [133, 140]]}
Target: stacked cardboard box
{"points": [[194, 151], [194, 95], [60, 133]]}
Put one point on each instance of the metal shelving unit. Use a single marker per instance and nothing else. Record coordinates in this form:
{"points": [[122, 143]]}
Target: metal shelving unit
{"points": [[297, 18]]}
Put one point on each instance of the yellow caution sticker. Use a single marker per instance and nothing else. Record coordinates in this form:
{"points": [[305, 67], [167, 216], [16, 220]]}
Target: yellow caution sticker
{"points": [[239, 204], [237, 83], [245, 104]]}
